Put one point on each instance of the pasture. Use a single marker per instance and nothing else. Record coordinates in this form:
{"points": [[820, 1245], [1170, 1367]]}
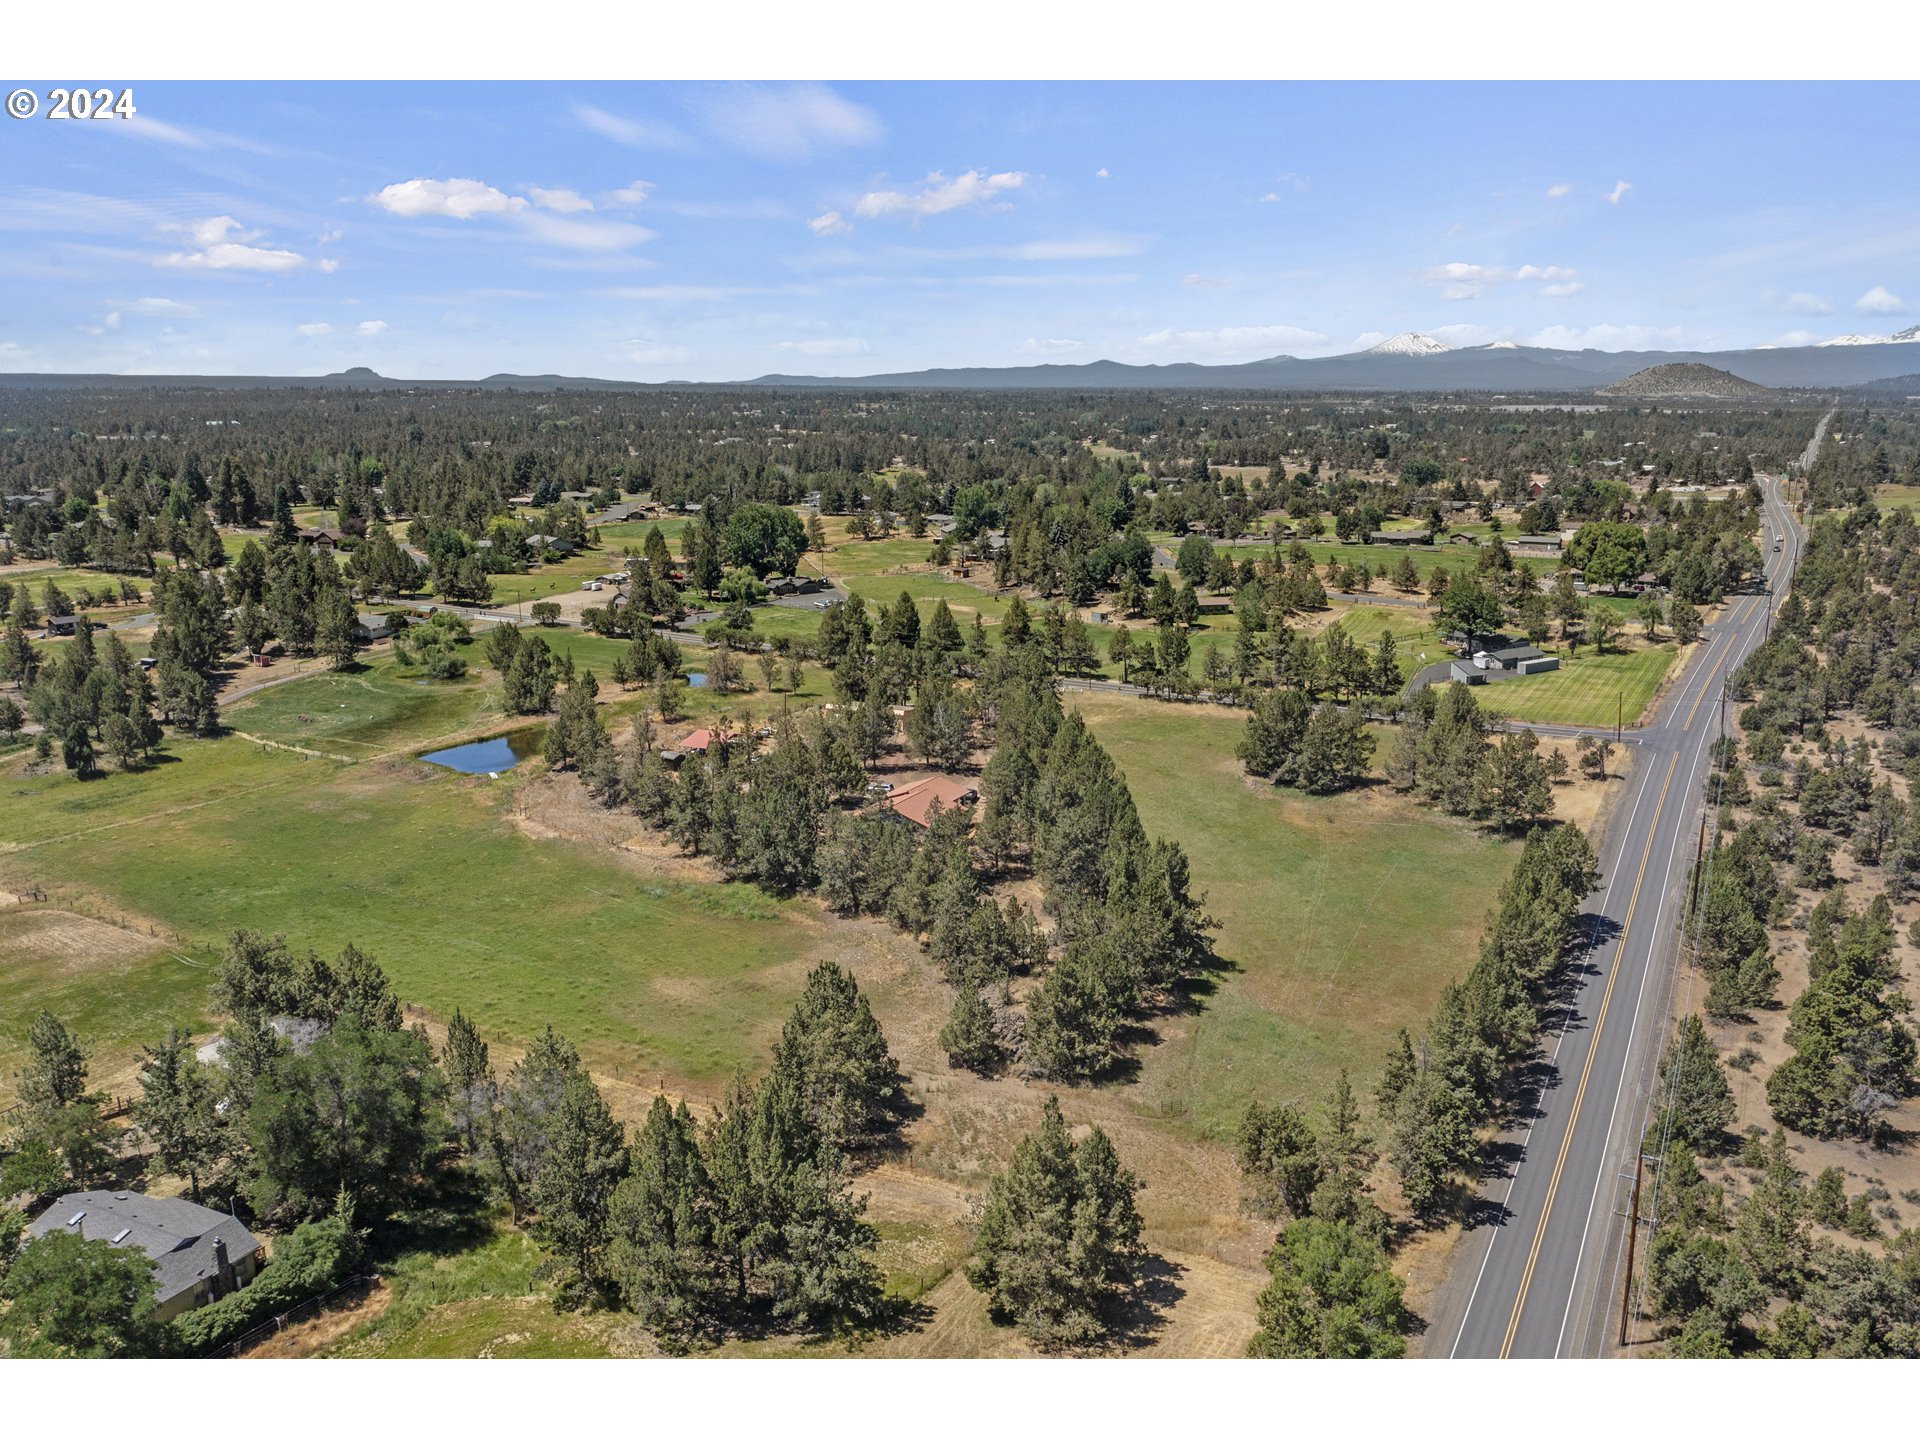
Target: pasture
{"points": [[650, 971], [1340, 918]]}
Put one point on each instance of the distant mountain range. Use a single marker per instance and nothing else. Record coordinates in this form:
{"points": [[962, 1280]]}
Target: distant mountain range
{"points": [[1416, 362], [1409, 362]]}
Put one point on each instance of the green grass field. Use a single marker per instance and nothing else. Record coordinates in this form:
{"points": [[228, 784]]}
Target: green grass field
{"points": [[425, 869], [1341, 918], [1588, 689], [1412, 630]]}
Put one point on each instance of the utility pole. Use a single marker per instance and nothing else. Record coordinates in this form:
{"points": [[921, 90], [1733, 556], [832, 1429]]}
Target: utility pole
{"points": [[1699, 863], [1633, 1234]]}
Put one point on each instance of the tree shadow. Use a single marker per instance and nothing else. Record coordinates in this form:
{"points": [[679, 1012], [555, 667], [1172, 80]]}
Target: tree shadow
{"points": [[1189, 994], [1138, 1321]]}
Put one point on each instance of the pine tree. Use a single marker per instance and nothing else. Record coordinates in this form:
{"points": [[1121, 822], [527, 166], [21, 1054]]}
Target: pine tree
{"points": [[55, 1073], [832, 1050], [573, 1190], [663, 1255], [969, 1037], [175, 1111], [470, 1081], [1059, 1238]]}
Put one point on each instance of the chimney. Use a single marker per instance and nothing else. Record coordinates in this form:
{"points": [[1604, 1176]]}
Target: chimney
{"points": [[222, 1269]]}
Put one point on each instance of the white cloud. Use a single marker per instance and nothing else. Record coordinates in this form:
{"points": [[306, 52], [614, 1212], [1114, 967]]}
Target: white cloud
{"points": [[110, 322], [156, 305], [830, 222], [847, 346], [937, 195], [786, 122], [454, 199], [1367, 339], [1880, 301], [1802, 303], [318, 327], [1233, 341], [1269, 197], [370, 327], [599, 235], [566, 202], [1460, 280], [327, 237], [634, 194], [1298, 182], [1206, 281], [1101, 174], [327, 267], [1049, 347], [640, 134], [468, 199], [1555, 192], [224, 245], [1560, 292], [1620, 187], [1797, 338]]}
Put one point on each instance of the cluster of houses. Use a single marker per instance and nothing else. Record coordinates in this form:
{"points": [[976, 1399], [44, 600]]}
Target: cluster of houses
{"points": [[911, 802]]}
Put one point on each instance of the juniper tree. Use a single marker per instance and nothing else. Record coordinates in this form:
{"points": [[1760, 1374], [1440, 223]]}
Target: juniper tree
{"points": [[1332, 1297], [1279, 1159], [1696, 1101]]}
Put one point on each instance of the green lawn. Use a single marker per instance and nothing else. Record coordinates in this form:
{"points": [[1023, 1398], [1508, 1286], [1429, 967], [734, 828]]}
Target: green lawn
{"points": [[1587, 689], [1340, 918], [425, 869], [371, 710]]}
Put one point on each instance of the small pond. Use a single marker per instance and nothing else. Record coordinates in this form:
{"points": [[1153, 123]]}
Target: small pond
{"points": [[488, 757], [696, 678]]}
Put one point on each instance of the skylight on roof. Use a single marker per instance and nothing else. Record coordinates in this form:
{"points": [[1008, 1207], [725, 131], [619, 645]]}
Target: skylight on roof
{"points": [[76, 1217], [122, 1235]]}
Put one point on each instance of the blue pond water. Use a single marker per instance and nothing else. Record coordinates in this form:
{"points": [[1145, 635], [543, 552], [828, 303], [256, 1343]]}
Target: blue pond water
{"points": [[696, 678], [488, 757]]}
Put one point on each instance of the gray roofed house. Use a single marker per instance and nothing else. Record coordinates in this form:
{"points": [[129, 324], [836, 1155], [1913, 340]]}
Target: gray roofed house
{"points": [[199, 1254]]}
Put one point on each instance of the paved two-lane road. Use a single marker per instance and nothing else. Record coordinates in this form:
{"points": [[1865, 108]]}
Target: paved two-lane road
{"points": [[1544, 1276]]}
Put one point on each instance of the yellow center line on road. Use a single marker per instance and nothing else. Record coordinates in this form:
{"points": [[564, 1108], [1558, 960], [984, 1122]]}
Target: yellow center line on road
{"points": [[1586, 1070], [1600, 1021]]}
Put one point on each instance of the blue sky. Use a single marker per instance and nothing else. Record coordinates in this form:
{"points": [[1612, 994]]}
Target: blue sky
{"points": [[713, 232]]}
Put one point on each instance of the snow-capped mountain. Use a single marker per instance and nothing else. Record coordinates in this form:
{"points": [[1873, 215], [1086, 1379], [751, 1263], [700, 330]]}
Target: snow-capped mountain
{"points": [[1410, 342], [1503, 345], [1908, 336]]}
